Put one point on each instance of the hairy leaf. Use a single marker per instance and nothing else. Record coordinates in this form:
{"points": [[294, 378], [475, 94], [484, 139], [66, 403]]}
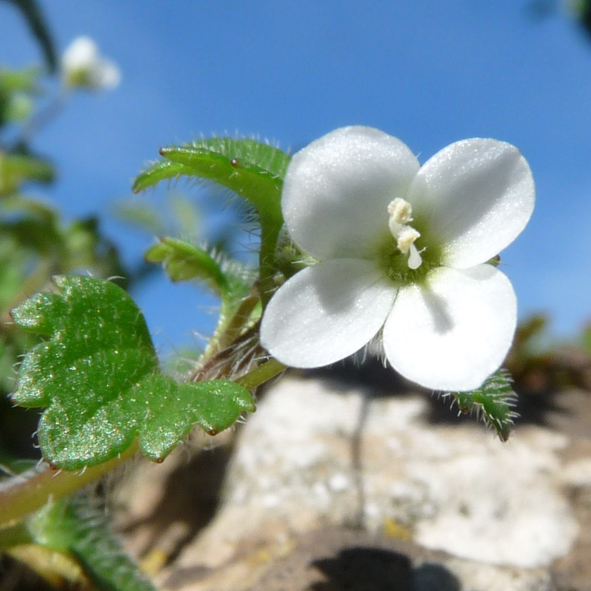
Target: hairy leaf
{"points": [[183, 260], [226, 278], [494, 402], [78, 526], [251, 169], [156, 173], [98, 376]]}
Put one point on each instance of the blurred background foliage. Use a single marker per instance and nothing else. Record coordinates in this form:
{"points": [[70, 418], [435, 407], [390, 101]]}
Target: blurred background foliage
{"points": [[37, 241]]}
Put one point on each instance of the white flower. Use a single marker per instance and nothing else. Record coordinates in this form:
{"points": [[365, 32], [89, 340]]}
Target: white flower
{"points": [[402, 249], [84, 67]]}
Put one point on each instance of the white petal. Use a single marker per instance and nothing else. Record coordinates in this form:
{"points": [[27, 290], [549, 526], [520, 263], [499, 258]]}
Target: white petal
{"points": [[475, 197], [337, 191], [82, 53], [326, 312], [107, 75], [453, 333], [83, 66]]}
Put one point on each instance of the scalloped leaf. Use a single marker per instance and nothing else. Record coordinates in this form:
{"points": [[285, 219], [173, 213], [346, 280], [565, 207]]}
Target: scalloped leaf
{"points": [[494, 402], [98, 376]]}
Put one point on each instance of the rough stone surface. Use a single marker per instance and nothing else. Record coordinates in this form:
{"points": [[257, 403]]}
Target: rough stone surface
{"points": [[438, 506], [313, 455], [326, 482], [336, 559]]}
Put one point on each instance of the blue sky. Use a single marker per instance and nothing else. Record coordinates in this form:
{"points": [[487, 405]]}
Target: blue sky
{"points": [[427, 71]]}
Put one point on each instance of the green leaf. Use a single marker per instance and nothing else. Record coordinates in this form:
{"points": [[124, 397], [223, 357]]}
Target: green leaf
{"points": [[16, 169], [251, 169], [79, 526], [12, 271], [17, 88], [226, 278], [98, 376], [494, 402], [183, 260], [19, 81], [156, 173]]}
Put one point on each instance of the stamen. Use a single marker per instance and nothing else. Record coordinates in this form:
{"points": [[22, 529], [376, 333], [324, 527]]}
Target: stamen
{"points": [[406, 236], [400, 213]]}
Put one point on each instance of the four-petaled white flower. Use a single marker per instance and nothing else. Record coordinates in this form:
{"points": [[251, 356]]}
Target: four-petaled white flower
{"points": [[84, 67], [404, 250]]}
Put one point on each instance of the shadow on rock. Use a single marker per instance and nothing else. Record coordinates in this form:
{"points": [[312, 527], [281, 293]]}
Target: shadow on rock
{"points": [[373, 569]]}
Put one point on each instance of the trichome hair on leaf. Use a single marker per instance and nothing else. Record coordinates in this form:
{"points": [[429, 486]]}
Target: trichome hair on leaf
{"points": [[494, 403]]}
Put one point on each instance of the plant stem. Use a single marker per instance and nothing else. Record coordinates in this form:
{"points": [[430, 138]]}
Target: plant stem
{"points": [[261, 374], [236, 324], [42, 118], [30, 490], [267, 262]]}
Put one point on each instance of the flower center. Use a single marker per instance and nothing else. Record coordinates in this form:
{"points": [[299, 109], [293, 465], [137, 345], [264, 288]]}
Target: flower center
{"points": [[400, 212]]}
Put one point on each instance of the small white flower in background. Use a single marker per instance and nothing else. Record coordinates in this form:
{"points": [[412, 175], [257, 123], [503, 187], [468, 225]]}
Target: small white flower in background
{"points": [[402, 249], [84, 67]]}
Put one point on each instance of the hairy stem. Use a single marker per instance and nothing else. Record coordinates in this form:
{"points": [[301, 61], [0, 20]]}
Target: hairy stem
{"points": [[30, 490], [261, 374], [267, 263], [236, 325]]}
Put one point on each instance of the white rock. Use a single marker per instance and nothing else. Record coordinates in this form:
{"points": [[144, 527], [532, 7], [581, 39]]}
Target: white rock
{"points": [[457, 488], [323, 458]]}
